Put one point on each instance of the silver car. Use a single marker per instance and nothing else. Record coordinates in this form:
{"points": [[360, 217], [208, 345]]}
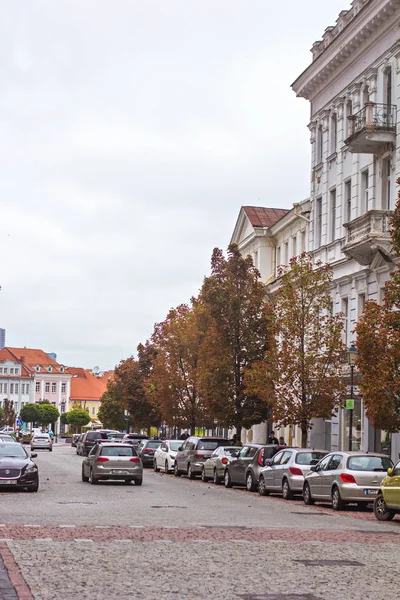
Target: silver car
{"points": [[214, 467], [42, 440], [112, 461], [284, 473], [343, 477]]}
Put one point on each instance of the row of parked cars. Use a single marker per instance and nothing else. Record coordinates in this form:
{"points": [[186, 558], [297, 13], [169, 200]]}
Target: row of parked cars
{"points": [[339, 478]]}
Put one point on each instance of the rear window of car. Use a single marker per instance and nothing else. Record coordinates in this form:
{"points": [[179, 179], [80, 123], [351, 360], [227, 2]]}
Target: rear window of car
{"points": [[209, 444], [96, 435], [117, 451], [309, 458], [369, 463], [154, 444]]}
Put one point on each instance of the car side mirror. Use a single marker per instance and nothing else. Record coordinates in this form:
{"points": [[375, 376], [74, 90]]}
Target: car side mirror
{"points": [[180, 448], [314, 468], [390, 472], [33, 455]]}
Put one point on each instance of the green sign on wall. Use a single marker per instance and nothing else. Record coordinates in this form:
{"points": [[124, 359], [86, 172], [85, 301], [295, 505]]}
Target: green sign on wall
{"points": [[350, 403]]}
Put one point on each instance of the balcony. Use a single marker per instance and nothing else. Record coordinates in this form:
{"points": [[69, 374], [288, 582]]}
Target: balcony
{"points": [[368, 235], [372, 129]]}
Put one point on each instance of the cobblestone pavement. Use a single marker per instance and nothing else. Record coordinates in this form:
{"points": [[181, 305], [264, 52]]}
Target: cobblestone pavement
{"points": [[186, 540]]}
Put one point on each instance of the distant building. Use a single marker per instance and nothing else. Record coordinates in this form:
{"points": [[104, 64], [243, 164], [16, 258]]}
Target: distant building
{"points": [[2, 338], [86, 391]]}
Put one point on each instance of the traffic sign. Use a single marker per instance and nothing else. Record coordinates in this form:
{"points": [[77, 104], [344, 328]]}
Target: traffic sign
{"points": [[19, 421]]}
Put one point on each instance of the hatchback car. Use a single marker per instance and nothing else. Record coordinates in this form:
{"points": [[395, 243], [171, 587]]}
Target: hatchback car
{"points": [[246, 468], [112, 461], [7, 438], [343, 477], [387, 502], [42, 441], [214, 467], [284, 474], [194, 452], [89, 439], [17, 469], [164, 456], [146, 451]]}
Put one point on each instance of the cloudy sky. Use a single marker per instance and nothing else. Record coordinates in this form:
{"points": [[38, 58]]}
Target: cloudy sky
{"points": [[131, 133]]}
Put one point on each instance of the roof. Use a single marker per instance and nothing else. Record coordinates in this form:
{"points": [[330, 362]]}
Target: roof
{"points": [[7, 355], [85, 386], [264, 217], [33, 357]]}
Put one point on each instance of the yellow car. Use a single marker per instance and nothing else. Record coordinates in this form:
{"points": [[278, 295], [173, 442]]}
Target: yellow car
{"points": [[387, 503]]}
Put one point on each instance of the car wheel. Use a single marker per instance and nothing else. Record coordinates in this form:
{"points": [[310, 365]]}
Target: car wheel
{"points": [[166, 469], [308, 499], [139, 481], [227, 480], [337, 502], [261, 487], [156, 469], [92, 478], [190, 473], [217, 478], [35, 488], [250, 485], [287, 493], [84, 478], [50, 449], [381, 511], [203, 475], [176, 470]]}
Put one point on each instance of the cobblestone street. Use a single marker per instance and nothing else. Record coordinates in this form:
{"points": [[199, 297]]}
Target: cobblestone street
{"points": [[180, 539]]}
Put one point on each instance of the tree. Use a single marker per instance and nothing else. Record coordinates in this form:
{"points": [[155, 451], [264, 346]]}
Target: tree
{"points": [[30, 413], [378, 343], [301, 373], [78, 417], [9, 416], [233, 299], [1, 415], [47, 413], [173, 384], [112, 411]]}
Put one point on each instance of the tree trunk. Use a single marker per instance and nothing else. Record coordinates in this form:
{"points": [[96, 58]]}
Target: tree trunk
{"points": [[192, 428], [238, 428], [304, 435]]}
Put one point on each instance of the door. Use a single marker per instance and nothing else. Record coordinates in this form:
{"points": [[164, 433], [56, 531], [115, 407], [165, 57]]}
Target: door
{"points": [[329, 474], [314, 480], [392, 487], [268, 473], [160, 455], [212, 462], [88, 462], [237, 465], [245, 462], [280, 468], [181, 456]]}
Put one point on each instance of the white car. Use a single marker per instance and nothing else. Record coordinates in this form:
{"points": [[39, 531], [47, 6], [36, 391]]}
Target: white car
{"points": [[164, 456], [42, 440], [7, 429]]}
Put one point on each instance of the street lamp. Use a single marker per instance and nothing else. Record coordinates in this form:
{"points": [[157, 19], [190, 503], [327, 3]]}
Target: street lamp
{"points": [[351, 357]]}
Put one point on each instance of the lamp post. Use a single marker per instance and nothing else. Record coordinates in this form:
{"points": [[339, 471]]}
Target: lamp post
{"points": [[128, 420], [352, 357]]}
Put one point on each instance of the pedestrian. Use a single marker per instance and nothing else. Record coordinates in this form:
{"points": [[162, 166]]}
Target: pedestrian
{"points": [[272, 439], [282, 441], [184, 435]]}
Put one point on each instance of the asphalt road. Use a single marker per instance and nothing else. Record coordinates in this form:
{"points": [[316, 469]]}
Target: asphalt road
{"points": [[181, 539]]}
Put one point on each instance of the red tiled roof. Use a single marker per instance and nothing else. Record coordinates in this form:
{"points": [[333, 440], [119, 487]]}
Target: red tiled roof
{"points": [[264, 217], [5, 354], [34, 357], [85, 386]]}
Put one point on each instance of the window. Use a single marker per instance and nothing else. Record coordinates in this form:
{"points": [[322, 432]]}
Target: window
{"points": [[37, 387], [53, 388], [318, 222], [16, 388], [1, 388], [333, 213], [278, 256], [333, 133], [11, 388], [286, 257], [93, 410], [5, 386], [365, 95], [388, 86], [27, 388], [22, 388], [277, 459], [349, 113], [63, 388], [345, 311], [303, 240], [361, 304], [11, 371], [386, 168], [335, 462], [364, 191], [285, 458], [320, 139], [47, 387], [347, 199], [369, 463], [294, 246], [1, 369], [324, 463], [16, 371], [5, 370]]}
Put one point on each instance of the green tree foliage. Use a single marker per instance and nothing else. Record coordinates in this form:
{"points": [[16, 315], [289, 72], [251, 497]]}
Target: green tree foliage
{"points": [[78, 417], [30, 413], [112, 411], [301, 371], [233, 298], [47, 413], [1, 415]]}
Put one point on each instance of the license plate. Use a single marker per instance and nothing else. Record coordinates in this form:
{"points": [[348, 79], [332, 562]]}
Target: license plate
{"points": [[118, 472], [371, 492], [8, 482]]}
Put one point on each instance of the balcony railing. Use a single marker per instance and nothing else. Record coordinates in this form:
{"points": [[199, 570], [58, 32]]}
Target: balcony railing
{"points": [[367, 234], [373, 116]]}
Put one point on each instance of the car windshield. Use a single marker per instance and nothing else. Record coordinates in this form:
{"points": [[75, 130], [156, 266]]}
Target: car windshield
{"points": [[208, 444], [154, 444], [309, 458], [96, 435], [115, 436], [175, 445], [231, 451], [117, 451], [369, 463], [12, 450]]}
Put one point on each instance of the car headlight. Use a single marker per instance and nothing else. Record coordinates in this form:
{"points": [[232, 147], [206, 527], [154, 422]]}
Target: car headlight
{"points": [[32, 469]]}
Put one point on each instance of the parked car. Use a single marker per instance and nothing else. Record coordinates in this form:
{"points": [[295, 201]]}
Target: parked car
{"points": [[214, 467], [134, 439], [89, 439], [387, 502], [79, 448], [17, 469], [114, 462], [194, 452], [42, 441], [146, 451], [164, 456], [7, 429], [343, 477], [245, 469], [7, 438], [75, 438], [285, 472]]}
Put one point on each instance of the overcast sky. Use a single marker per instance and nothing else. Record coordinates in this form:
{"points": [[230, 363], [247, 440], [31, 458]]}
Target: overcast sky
{"points": [[131, 132]]}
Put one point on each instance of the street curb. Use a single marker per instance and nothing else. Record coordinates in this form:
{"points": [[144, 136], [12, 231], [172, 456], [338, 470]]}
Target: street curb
{"points": [[20, 586]]}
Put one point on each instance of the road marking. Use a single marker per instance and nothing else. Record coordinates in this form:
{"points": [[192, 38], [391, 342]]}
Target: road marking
{"points": [[83, 540], [67, 526], [43, 539]]}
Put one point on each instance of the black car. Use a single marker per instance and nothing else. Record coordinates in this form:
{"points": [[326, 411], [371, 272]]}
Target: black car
{"points": [[146, 451], [245, 469], [17, 469], [90, 438]]}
